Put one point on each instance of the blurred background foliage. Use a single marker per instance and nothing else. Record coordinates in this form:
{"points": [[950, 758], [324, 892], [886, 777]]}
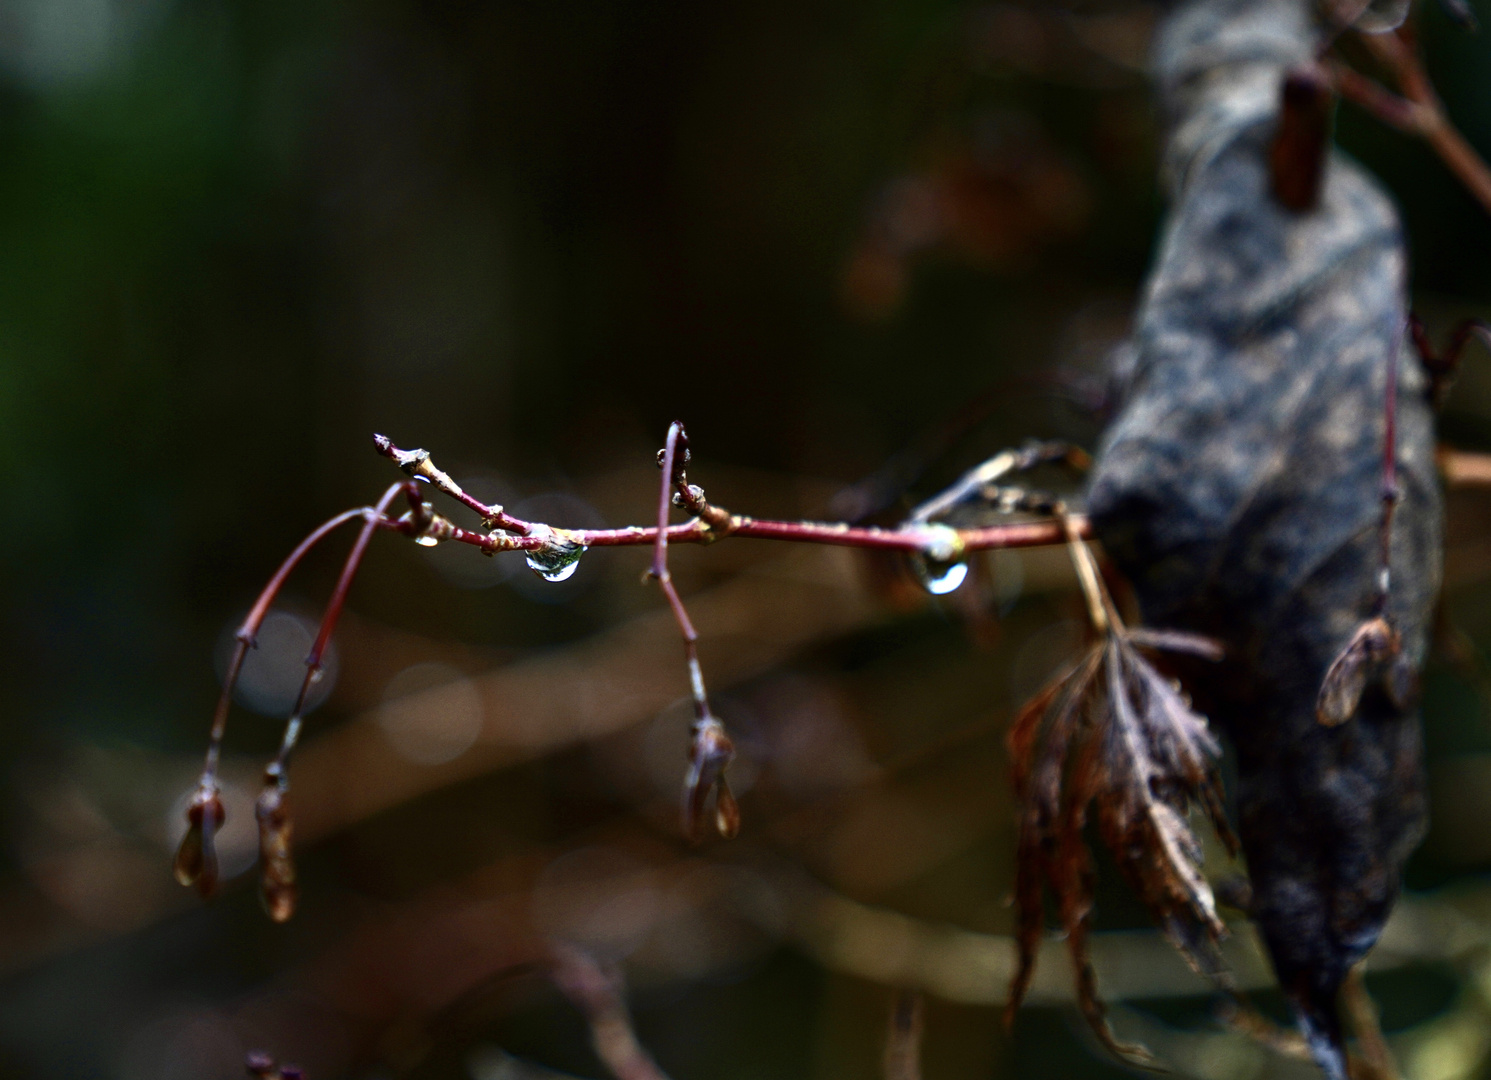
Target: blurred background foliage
{"points": [[238, 238]]}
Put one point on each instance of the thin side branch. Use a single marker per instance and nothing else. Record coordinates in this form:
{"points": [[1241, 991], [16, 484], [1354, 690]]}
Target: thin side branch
{"points": [[710, 750], [1418, 111]]}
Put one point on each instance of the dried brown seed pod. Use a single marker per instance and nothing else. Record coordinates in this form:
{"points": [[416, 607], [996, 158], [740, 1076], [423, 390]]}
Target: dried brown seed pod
{"points": [[277, 888], [196, 858]]}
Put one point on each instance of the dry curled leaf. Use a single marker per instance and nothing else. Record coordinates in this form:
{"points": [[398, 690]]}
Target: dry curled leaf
{"points": [[1112, 733]]}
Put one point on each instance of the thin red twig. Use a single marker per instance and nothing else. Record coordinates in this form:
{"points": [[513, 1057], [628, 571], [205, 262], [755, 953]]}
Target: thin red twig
{"points": [[248, 632], [710, 750], [909, 538], [196, 860]]}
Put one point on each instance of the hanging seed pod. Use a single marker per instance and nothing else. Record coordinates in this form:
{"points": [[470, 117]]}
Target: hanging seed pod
{"points": [[277, 887], [196, 858], [709, 753]]}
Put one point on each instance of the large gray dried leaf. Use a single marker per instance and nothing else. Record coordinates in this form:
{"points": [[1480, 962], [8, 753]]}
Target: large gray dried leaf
{"points": [[1238, 490]]}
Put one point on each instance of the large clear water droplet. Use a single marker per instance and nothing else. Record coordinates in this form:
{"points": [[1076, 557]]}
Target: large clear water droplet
{"points": [[939, 566], [427, 541], [558, 559]]}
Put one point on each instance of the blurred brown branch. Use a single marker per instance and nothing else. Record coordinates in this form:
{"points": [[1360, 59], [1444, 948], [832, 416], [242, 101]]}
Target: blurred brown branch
{"points": [[596, 992], [1419, 110]]}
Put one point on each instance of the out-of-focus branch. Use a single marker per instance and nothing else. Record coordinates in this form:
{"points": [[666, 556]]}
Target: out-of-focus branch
{"points": [[412, 961], [1376, 1059], [1418, 111], [903, 1041], [1464, 468], [596, 992]]}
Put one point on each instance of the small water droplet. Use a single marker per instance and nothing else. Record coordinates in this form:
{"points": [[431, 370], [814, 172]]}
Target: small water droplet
{"points": [[558, 559], [939, 578], [427, 541], [939, 566]]}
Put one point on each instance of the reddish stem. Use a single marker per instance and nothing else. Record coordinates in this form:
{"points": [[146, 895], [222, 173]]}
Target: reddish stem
{"points": [[417, 464], [672, 466], [378, 518]]}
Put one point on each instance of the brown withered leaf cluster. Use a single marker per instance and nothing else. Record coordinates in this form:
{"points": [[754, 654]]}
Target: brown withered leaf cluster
{"points": [[1112, 733]]}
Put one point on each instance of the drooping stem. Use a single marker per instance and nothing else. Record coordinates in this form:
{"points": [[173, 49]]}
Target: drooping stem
{"points": [[372, 521], [710, 750], [248, 631], [1099, 606], [671, 465], [196, 859], [277, 876]]}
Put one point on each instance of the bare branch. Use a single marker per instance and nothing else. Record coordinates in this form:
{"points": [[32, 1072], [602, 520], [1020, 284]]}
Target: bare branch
{"points": [[911, 538], [710, 750]]}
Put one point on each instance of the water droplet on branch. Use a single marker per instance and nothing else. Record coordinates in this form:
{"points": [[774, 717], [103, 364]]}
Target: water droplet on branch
{"points": [[939, 566], [558, 559], [937, 578]]}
